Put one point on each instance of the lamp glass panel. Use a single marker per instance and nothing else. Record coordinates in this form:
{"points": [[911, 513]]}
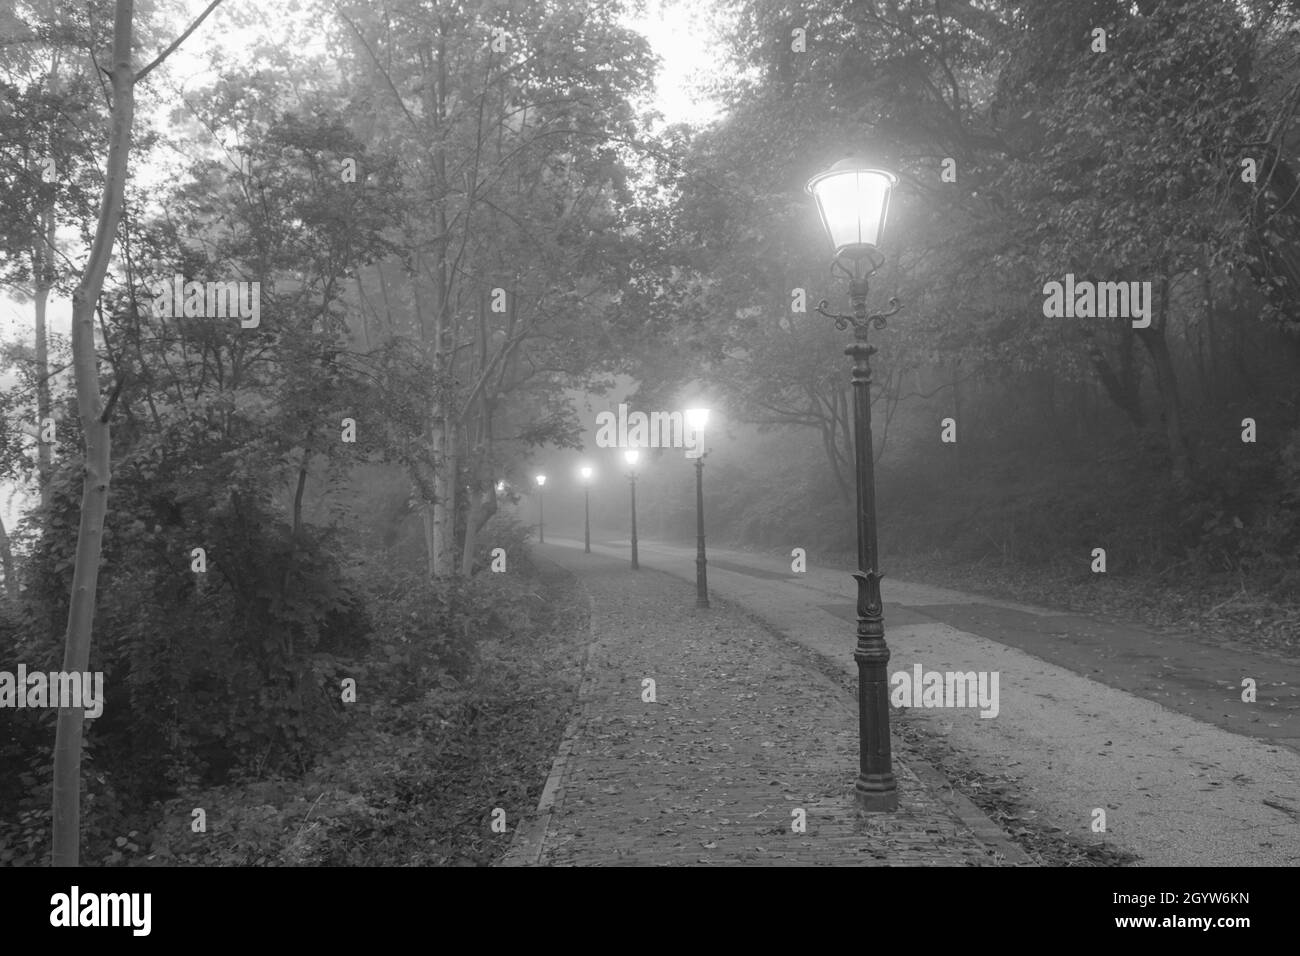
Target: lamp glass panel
{"points": [[853, 205]]}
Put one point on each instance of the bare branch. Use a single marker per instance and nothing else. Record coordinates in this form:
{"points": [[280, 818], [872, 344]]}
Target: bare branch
{"points": [[177, 42], [382, 72]]}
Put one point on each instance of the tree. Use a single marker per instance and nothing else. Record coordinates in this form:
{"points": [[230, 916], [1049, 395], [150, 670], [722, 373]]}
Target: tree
{"points": [[94, 414], [47, 107], [516, 126]]}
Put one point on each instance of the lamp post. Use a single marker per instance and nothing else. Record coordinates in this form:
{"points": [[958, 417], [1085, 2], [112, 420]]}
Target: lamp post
{"points": [[853, 200], [697, 418], [631, 456], [541, 510], [586, 510]]}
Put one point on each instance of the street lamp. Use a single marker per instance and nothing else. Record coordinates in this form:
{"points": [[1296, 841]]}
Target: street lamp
{"points": [[631, 456], [696, 418], [586, 510], [853, 200], [541, 510]]}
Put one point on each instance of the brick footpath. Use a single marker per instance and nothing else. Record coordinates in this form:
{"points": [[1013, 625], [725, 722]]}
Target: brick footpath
{"points": [[743, 730]]}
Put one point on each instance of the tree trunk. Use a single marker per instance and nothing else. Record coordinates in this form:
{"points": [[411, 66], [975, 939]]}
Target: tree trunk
{"points": [[483, 505], [41, 262], [7, 562], [295, 536], [1207, 296], [422, 493], [43, 274], [445, 485], [442, 535], [832, 455], [1157, 346], [94, 497], [1123, 387], [1204, 331], [426, 518], [839, 446]]}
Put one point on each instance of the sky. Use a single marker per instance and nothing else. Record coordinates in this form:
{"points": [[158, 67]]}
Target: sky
{"points": [[681, 35], [678, 31]]}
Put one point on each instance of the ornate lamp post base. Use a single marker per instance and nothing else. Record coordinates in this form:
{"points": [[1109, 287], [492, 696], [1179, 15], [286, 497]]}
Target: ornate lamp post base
{"points": [[877, 796], [876, 789]]}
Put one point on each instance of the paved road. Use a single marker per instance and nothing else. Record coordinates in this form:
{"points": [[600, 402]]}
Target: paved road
{"points": [[1149, 728], [744, 730]]}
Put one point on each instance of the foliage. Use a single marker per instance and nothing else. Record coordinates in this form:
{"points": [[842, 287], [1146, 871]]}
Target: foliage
{"points": [[440, 735]]}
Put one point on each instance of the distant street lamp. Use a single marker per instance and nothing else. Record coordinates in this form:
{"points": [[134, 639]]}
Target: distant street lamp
{"points": [[697, 418], [853, 201], [586, 510], [541, 510], [632, 456]]}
